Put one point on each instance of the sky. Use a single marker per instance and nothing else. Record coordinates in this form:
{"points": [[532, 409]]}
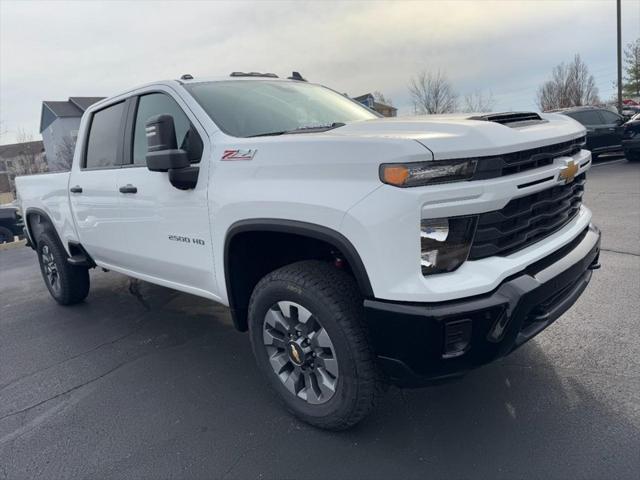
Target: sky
{"points": [[51, 50]]}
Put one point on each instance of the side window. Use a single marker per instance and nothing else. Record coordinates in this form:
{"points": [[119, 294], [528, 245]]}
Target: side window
{"points": [[104, 137], [610, 117], [187, 137], [587, 117]]}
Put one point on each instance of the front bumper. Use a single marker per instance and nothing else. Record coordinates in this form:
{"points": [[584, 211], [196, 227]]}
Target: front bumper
{"points": [[417, 343]]}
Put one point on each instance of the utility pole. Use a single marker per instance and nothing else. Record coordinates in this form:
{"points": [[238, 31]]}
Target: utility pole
{"points": [[619, 59]]}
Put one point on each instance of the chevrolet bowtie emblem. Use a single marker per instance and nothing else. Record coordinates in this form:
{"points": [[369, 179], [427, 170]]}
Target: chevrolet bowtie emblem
{"points": [[294, 353], [568, 173]]}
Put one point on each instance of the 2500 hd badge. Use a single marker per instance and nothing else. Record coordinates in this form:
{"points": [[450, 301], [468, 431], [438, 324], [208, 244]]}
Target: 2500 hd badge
{"points": [[179, 238]]}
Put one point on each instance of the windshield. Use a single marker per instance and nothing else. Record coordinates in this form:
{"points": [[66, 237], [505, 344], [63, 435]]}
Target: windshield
{"points": [[253, 108]]}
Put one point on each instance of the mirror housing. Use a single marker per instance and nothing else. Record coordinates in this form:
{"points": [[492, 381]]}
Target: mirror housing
{"points": [[163, 155]]}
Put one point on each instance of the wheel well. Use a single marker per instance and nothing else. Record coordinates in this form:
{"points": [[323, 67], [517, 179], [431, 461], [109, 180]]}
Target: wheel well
{"points": [[37, 223], [251, 254]]}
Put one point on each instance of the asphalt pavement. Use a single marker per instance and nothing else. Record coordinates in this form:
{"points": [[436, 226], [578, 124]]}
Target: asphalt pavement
{"points": [[144, 382]]}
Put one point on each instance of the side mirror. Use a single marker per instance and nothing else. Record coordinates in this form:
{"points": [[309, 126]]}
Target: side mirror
{"points": [[163, 155]]}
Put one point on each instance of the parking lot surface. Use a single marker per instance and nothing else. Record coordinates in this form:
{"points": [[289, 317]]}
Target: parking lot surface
{"points": [[144, 382]]}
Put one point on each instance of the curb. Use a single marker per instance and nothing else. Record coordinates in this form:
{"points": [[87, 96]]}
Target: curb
{"points": [[8, 246]]}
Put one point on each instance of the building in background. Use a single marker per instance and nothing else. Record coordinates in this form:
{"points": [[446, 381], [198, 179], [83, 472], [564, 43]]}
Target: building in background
{"points": [[383, 109], [16, 159], [59, 123]]}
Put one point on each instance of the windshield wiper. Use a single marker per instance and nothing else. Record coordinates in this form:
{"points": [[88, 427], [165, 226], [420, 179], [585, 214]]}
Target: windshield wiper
{"points": [[308, 129]]}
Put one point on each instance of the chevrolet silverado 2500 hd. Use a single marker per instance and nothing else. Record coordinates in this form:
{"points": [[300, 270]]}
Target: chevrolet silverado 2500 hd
{"points": [[356, 250]]}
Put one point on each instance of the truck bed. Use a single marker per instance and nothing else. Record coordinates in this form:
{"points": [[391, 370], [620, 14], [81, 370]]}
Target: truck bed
{"points": [[48, 193]]}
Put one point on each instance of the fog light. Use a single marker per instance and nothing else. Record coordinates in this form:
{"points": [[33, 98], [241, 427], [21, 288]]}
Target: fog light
{"points": [[457, 338]]}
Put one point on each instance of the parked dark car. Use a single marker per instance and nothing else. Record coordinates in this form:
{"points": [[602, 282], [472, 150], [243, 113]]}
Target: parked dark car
{"points": [[604, 128], [631, 139], [10, 224]]}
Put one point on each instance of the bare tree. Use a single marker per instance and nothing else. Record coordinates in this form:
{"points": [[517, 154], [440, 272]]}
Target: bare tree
{"points": [[380, 98], [64, 154], [29, 160], [478, 102], [432, 93], [631, 86], [571, 85], [3, 130]]}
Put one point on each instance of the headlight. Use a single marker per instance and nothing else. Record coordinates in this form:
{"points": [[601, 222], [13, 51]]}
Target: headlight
{"points": [[427, 173], [445, 243]]}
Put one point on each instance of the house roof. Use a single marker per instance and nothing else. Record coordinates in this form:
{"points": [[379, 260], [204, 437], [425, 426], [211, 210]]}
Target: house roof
{"points": [[376, 105], [84, 102], [74, 107], [363, 97], [14, 149]]}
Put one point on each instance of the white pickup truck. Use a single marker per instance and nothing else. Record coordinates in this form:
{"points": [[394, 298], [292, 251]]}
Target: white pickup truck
{"points": [[356, 250]]}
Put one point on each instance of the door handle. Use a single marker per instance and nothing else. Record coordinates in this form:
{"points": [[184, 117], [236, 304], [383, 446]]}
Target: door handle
{"points": [[76, 189], [128, 188]]}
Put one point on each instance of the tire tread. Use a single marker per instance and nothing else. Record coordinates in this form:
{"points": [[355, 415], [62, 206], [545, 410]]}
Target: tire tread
{"points": [[337, 288]]}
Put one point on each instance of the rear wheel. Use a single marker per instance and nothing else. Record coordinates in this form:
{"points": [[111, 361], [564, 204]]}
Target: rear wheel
{"points": [[6, 235], [308, 337], [66, 284], [633, 156]]}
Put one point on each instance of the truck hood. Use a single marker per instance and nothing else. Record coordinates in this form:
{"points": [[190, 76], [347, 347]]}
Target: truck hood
{"points": [[456, 136]]}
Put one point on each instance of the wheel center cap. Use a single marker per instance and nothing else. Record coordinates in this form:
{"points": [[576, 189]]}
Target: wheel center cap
{"points": [[295, 353]]}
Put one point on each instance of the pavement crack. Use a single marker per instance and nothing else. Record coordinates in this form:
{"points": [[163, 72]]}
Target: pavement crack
{"points": [[70, 390], [134, 289], [620, 252], [73, 357]]}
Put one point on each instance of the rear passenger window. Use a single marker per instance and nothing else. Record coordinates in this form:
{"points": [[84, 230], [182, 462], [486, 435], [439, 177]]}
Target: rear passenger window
{"points": [[186, 136], [104, 137], [587, 117]]}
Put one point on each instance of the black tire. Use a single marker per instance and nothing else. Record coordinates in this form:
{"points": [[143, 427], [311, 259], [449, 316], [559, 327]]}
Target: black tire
{"points": [[633, 156], [71, 284], [6, 235], [332, 296]]}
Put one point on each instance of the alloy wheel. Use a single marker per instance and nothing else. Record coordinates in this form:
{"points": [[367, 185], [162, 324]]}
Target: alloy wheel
{"points": [[300, 352], [50, 268]]}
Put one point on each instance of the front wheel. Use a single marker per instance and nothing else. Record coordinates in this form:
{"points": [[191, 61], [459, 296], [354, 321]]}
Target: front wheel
{"points": [[308, 337]]}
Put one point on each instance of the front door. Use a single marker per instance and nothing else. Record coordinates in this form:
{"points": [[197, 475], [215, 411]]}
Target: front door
{"points": [[166, 230], [92, 184], [596, 131], [612, 125]]}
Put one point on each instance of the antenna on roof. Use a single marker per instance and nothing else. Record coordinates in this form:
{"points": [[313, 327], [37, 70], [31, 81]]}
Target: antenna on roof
{"points": [[296, 76], [186, 76]]}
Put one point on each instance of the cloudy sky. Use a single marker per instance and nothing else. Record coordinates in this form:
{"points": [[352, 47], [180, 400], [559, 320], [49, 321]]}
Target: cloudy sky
{"points": [[52, 50]]}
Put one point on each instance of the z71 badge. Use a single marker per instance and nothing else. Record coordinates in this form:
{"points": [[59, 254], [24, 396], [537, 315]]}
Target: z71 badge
{"points": [[246, 154]]}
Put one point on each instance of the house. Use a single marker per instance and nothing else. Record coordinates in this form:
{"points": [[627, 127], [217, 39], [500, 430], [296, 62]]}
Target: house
{"points": [[19, 159], [59, 123], [383, 109]]}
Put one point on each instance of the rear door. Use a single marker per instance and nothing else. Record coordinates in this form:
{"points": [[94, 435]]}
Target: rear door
{"points": [[166, 230], [92, 184]]}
